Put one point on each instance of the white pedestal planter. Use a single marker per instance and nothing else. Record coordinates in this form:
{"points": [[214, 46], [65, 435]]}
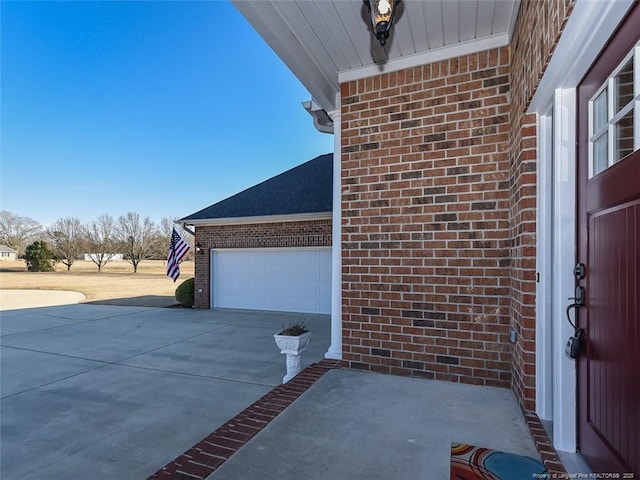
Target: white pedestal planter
{"points": [[292, 347]]}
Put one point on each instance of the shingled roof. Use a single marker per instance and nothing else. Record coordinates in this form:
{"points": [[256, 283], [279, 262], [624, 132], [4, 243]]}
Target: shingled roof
{"points": [[306, 188]]}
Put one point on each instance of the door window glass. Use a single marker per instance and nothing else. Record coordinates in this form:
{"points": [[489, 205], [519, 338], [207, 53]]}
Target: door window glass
{"points": [[613, 116], [624, 136], [600, 115], [624, 86], [600, 161]]}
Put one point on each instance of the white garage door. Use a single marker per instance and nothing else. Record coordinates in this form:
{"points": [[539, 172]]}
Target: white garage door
{"points": [[285, 280]]}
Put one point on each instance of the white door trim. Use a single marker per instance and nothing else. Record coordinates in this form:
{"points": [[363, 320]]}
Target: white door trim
{"points": [[563, 261], [544, 269], [556, 374]]}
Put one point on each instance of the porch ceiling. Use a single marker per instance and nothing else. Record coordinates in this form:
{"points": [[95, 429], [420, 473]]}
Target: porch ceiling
{"points": [[325, 42]]}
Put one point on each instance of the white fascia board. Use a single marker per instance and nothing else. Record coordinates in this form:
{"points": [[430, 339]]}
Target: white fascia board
{"points": [[587, 31], [297, 217], [425, 58]]}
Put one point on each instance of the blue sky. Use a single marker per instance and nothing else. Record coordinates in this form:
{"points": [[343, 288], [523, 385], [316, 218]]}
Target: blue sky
{"points": [[161, 108]]}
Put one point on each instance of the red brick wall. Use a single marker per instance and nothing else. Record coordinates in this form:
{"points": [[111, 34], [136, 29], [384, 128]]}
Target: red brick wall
{"points": [[315, 233], [536, 34], [426, 232], [523, 255]]}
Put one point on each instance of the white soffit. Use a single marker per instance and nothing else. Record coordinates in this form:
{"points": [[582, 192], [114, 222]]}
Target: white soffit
{"points": [[325, 42]]}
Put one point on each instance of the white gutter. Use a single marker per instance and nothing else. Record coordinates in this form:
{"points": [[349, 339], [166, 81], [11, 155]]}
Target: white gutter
{"points": [[321, 119], [296, 217]]}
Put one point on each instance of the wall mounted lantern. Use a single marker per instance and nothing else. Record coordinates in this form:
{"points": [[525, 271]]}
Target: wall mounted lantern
{"points": [[382, 13], [199, 248]]}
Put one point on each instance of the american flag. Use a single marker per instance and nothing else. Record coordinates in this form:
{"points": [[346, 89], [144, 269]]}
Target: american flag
{"points": [[177, 249]]}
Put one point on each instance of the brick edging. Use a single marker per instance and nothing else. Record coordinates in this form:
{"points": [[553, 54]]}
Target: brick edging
{"points": [[544, 446], [206, 456]]}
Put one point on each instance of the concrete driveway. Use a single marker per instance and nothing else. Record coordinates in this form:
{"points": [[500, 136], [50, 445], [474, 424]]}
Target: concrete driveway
{"points": [[94, 391]]}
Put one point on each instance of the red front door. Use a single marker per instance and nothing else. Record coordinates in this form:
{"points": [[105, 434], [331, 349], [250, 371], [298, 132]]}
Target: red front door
{"points": [[609, 246]]}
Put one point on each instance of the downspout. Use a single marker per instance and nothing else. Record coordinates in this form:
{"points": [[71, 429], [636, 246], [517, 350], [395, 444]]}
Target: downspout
{"points": [[187, 229], [330, 123]]}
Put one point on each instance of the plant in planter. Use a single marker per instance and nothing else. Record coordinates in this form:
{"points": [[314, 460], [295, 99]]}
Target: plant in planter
{"points": [[292, 341]]}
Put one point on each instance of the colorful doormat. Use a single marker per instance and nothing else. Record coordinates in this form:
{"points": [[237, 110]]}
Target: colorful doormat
{"points": [[477, 463]]}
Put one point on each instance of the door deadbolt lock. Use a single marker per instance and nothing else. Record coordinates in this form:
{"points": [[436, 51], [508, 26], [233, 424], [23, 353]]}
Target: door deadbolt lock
{"points": [[579, 271]]}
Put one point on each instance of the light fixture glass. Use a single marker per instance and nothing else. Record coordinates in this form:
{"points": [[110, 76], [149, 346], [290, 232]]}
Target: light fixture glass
{"points": [[382, 13]]}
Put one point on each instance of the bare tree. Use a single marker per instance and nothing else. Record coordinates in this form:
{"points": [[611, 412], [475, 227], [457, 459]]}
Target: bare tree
{"points": [[136, 237], [66, 239], [161, 242], [17, 232], [165, 228], [100, 240]]}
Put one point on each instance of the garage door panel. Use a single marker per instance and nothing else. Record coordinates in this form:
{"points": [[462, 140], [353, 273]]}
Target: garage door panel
{"points": [[293, 280], [325, 289], [272, 289]]}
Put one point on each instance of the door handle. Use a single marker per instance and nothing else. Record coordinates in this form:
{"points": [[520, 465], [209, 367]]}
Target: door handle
{"points": [[579, 296], [574, 344]]}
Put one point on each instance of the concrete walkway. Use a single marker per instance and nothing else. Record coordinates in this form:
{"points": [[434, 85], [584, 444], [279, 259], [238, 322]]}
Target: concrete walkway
{"points": [[360, 425], [105, 392]]}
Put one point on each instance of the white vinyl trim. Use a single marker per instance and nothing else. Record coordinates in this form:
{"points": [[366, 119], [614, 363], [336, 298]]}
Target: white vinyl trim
{"points": [[556, 374], [544, 269], [335, 349], [563, 259], [298, 217], [425, 58]]}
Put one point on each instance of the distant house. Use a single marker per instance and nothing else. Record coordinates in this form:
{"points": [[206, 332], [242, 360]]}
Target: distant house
{"points": [[116, 257], [7, 254]]}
